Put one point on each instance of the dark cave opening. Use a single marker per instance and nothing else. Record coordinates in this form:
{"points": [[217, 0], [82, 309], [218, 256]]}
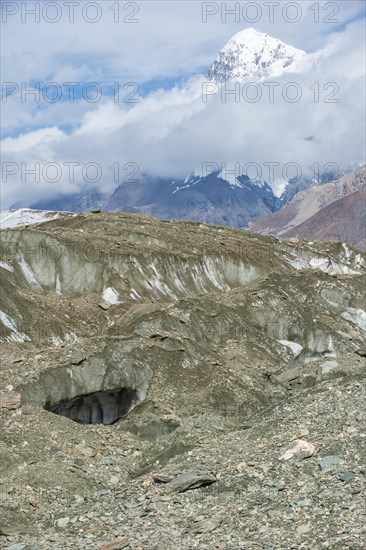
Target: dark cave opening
{"points": [[101, 407]]}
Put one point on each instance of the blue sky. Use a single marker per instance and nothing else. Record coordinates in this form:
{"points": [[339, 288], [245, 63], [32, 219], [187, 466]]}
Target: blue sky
{"points": [[168, 42]]}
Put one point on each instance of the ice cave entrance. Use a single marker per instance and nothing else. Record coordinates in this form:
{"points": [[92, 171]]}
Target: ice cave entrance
{"points": [[101, 407]]}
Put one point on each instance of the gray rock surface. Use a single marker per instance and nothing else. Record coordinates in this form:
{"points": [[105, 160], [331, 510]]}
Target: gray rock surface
{"points": [[203, 325]]}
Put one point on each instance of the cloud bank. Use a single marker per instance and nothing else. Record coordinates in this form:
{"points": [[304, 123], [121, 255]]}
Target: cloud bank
{"points": [[72, 147]]}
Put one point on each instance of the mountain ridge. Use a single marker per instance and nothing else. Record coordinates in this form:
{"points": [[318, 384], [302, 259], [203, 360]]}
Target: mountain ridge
{"points": [[314, 204], [216, 197]]}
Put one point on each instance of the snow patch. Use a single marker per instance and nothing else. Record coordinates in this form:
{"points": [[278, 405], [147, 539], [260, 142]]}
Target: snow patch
{"points": [[359, 261], [157, 283], [347, 251], [26, 216], [230, 178], [320, 263], [210, 271], [134, 294], [7, 266], [56, 340], [294, 346], [27, 272], [178, 188], [190, 180], [356, 316], [58, 286], [110, 296], [297, 263], [331, 348], [325, 264], [9, 323]]}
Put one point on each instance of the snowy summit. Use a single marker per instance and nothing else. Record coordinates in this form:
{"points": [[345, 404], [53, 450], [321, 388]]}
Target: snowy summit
{"points": [[257, 55]]}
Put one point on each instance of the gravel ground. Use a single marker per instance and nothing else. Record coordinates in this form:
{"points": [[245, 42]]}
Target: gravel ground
{"points": [[74, 486]]}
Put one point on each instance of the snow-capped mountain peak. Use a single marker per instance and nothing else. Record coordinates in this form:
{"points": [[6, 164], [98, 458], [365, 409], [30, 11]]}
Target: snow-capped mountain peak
{"points": [[230, 178], [257, 55], [225, 176]]}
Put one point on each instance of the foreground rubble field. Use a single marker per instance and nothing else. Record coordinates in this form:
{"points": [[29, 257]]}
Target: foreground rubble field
{"points": [[208, 385]]}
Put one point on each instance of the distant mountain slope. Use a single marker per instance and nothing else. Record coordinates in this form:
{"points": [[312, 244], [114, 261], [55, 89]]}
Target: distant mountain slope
{"points": [[73, 202], [306, 204], [297, 185], [210, 199], [342, 220], [131, 197]]}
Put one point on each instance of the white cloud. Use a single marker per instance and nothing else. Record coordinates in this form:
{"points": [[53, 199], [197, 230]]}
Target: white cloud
{"points": [[169, 133], [38, 142], [170, 38]]}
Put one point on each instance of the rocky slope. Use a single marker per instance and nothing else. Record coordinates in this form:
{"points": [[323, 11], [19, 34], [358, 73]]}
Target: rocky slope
{"points": [[344, 219], [180, 385], [334, 211]]}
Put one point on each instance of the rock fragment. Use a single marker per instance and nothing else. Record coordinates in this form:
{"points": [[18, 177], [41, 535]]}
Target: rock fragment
{"points": [[288, 375], [11, 401], [303, 432], [63, 522], [115, 545], [202, 527], [85, 450], [162, 479], [302, 529], [347, 476], [299, 447], [191, 480], [329, 463], [105, 306], [77, 359], [327, 366], [18, 546], [9, 531]]}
